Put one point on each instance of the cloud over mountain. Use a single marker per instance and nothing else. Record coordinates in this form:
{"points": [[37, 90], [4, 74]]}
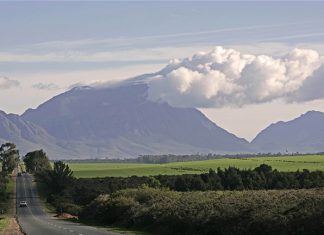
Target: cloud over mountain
{"points": [[46, 86], [227, 77], [7, 83]]}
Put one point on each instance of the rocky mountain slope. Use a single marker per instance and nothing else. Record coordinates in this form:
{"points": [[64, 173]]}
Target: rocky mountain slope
{"points": [[121, 122], [303, 134]]}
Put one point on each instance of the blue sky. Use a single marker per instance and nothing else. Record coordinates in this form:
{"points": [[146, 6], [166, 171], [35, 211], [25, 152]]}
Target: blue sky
{"points": [[48, 46], [68, 29], [36, 22]]}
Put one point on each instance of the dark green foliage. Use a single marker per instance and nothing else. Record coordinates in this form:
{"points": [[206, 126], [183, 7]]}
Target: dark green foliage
{"points": [[3, 192], [58, 179], [181, 185], [65, 205], [37, 162], [195, 209], [239, 212], [232, 179], [9, 156], [56, 184], [82, 191], [262, 177], [3, 187]]}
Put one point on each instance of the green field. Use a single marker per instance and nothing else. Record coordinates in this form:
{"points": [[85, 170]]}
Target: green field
{"points": [[286, 163]]}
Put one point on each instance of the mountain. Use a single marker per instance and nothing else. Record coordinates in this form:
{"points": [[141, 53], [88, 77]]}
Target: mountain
{"points": [[26, 135], [303, 134], [121, 122]]}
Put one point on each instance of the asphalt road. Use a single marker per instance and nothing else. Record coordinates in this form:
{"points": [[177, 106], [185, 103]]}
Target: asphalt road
{"points": [[35, 221]]}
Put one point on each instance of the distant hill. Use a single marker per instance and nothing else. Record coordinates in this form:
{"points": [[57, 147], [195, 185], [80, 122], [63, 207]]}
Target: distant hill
{"points": [[303, 134], [26, 135], [121, 122]]}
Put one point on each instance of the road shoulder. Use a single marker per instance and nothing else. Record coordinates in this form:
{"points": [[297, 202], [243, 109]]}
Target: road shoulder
{"points": [[8, 222], [11, 227]]}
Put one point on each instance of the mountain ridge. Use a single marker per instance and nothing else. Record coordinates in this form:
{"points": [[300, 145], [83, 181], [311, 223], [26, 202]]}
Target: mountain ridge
{"points": [[120, 122], [303, 134]]}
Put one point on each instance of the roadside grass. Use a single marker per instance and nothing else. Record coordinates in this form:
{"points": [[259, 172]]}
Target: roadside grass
{"points": [[11, 187], [281, 163], [8, 205], [4, 222]]}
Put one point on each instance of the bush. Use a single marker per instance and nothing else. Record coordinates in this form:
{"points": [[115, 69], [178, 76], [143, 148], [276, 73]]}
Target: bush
{"points": [[231, 212], [3, 191], [70, 208]]}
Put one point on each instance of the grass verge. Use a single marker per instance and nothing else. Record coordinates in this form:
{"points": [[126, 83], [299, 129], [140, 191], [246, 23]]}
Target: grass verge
{"points": [[4, 222], [9, 205]]}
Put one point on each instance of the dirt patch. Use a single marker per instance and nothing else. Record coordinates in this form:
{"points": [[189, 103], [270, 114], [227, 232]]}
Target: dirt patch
{"points": [[13, 228], [66, 216]]}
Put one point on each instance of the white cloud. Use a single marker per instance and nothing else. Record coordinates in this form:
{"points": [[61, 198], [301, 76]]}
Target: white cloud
{"points": [[25, 96], [7, 83], [226, 77], [46, 86]]}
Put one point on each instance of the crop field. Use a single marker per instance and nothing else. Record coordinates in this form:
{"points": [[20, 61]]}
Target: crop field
{"points": [[281, 163]]}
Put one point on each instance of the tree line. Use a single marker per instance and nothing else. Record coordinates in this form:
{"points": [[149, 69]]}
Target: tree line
{"points": [[168, 158]]}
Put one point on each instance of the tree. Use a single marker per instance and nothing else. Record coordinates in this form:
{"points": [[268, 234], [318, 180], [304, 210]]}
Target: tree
{"points": [[37, 161], [214, 181], [180, 184], [60, 177], [232, 179], [9, 156], [266, 169]]}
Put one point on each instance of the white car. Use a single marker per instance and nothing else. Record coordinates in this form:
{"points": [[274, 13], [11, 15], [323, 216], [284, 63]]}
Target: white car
{"points": [[23, 204]]}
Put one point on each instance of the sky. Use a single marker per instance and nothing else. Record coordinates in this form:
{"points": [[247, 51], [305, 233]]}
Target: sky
{"points": [[48, 47]]}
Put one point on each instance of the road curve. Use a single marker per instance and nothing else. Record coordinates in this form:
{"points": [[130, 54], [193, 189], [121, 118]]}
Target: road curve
{"points": [[34, 221]]}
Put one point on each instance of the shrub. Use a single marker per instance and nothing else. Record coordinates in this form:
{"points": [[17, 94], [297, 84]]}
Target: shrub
{"points": [[222, 212]]}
